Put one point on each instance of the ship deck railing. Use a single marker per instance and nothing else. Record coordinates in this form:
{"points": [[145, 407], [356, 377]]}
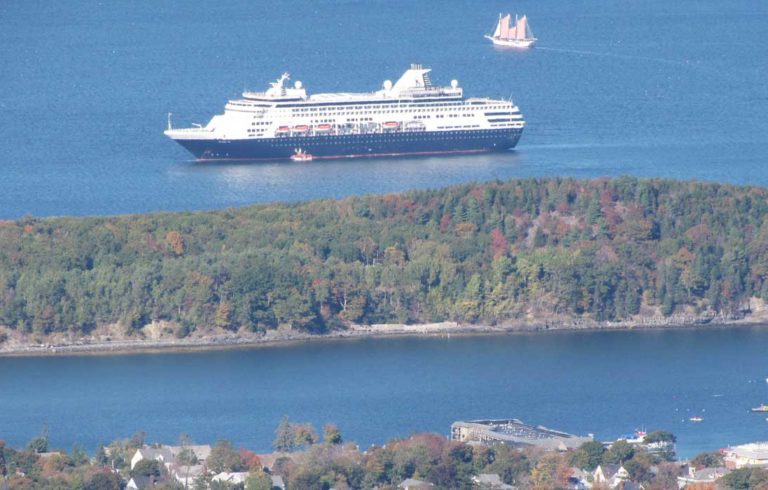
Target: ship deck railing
{"points": [[190, 130]]}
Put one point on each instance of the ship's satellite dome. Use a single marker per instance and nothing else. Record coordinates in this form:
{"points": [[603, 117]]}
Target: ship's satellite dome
{"points": [[454, 83], [298, 84], [387, 84]]}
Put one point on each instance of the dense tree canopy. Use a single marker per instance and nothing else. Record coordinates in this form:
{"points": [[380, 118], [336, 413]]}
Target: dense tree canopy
{"points": [[481, 253]]}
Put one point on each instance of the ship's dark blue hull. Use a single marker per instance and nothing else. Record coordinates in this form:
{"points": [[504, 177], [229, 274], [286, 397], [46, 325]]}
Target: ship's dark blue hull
{"points": [[355, 145]]}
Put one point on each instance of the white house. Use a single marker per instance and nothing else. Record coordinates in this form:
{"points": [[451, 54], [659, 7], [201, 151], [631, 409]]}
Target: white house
{"points": [[161, 454], [610, 475], [167, 455]]}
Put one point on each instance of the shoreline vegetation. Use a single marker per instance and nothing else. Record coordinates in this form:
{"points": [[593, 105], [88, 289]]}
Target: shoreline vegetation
{"points": [[517, 256], [248, 340]]}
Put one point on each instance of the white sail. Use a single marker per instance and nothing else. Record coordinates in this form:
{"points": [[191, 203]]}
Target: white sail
{"points": [[497, 32], [520, 28], [504, 26]]}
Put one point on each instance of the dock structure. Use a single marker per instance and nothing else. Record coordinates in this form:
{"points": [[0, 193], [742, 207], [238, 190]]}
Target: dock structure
{"points": [[514, 432]]}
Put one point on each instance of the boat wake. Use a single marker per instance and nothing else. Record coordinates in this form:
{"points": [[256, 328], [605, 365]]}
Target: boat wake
{"points": [[617, 55]]}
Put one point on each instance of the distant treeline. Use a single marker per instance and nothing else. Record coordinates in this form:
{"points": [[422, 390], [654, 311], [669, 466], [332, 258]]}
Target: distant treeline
{"points": [[481, 253]]}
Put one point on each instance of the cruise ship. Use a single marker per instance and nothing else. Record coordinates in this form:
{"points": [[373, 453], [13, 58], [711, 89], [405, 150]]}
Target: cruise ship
{"points": [[408, 117]]}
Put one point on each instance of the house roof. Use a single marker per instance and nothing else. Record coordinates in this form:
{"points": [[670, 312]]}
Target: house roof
{"points": [[607, 470], [707, 474], [190, 473], [235, 477], [414, 483], [201, 451], [488, 479], [755, 450], [161, 453], [491, 480]]}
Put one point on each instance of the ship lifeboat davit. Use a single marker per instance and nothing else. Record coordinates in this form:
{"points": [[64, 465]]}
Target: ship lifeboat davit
{"points": [[323, 128], [283, 130], [391, 125], [301, 156]]}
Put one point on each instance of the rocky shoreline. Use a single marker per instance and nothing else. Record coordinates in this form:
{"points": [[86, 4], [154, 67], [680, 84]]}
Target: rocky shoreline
{"points": [[110, 343]]}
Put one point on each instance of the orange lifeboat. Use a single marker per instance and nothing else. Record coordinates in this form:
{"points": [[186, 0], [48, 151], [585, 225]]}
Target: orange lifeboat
{"points": [[323, 128], [391, 125], [301, 128]]}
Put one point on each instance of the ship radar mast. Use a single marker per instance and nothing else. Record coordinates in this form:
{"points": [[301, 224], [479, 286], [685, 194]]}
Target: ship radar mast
{"points": [[277, 88]]}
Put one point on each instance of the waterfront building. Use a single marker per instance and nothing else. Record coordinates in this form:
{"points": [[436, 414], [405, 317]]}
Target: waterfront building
{"points": [[515, 433], [754, 454]]}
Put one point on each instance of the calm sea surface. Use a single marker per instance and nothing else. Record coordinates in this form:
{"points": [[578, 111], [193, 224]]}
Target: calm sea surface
{"points": [[606, 383], [643, 87], [649, 88]]}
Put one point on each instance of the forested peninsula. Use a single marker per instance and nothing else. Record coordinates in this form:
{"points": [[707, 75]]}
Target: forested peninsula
{"points": [[536, 252]]}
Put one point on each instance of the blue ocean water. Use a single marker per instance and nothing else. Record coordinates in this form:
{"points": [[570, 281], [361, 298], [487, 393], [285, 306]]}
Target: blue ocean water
{"points": [[606, 383], [646, 87]]}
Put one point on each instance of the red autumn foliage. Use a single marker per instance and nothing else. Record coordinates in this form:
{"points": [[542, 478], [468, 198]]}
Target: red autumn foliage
{"points": [[499, 243]]}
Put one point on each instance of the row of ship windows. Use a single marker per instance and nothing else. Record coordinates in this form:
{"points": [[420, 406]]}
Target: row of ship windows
{"points": [[421, 107], [353, 113], [390, 111], [424, 116], [459, 135], [488, 133]]}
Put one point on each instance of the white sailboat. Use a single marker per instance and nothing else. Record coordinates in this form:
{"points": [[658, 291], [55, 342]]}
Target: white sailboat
{"points": [[517, 36]]}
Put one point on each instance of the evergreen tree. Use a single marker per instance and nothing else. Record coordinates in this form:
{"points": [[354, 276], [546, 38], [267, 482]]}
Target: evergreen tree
{"points": [[285, 439]]}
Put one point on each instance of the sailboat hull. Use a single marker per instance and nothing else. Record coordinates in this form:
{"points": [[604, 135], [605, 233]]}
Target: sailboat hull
{"points": [[512, 43]]}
